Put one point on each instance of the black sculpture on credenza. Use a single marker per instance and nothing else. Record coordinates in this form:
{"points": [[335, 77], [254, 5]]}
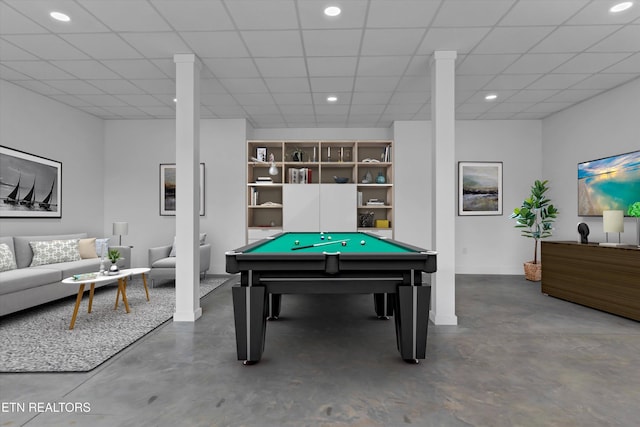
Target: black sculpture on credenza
{"points": [[583, 229]]}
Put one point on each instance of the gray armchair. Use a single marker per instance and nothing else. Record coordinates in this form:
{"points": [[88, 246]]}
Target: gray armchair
{"points": [[163, 266]]}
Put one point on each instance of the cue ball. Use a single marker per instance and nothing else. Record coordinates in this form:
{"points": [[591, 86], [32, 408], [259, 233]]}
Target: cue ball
{"points": [[344, 243], [329, 238], [362, 242], [297, 242]]}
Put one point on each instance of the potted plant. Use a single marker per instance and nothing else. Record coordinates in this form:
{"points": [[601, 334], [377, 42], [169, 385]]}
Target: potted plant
{"points": [[114, 256], [535, 217], [634, 211]]}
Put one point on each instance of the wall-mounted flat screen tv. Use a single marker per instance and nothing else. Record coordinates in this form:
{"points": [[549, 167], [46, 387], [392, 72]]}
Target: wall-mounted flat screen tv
{"points": [[611, 183]]}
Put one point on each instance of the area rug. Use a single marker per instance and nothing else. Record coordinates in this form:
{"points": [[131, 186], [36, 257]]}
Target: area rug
{"points": [[39, 339]]}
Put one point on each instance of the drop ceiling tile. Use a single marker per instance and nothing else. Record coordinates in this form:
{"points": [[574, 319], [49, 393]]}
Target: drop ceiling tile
{"points": [[227, 111], [208, 86], [418, 84], [12, 22], [511, 107], [10, 52], [331, 42], [548, 107], [255, 99], [244, 85], [604, 81], [401, 13], [293, 110], [263, 15], [72, 100], [218, 100], [7, 73], [331, 84], [511, 81], [396, 110], [485, 64], [322, 108], [159, 112], [156, 45], [158, 86], [471, 13], [140, 100], [116, 87], [472, 82], [598, 13], [627, 39], [86, 69], [332, 66], [231, 67], [270, 44], [392, 41], [38, 87], [102, 100], [38, 10], [352, 16], [383, 65], [527, 95], [39, 70], [134, 68], [371, 98], [45, 46], [590, 62], [628, 65], [366, 110], [98, 112], [573, 39], [573, 95], [410, 97], [512, 39], [557, 81], [419, 66], [195, 15], [215, 44], [284, 99], [503, 95], [462, 40], [102, 46], [287, 85], [262, 109], [281, 67], [168, 67], [528, 116], [525, 13], [140, 16], [537, 63], [474, 107], [74, 87], [495, 116], [127, 111]]}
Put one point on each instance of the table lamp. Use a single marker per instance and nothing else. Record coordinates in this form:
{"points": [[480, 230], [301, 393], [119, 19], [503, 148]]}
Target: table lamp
{"points": [[612, 222], [120, 229]]}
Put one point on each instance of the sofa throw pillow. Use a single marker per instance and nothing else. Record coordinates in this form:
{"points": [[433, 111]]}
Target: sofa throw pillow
{"points": [[7, 260], [54, 251], [102, 247], [203, 238], [87, 248]]}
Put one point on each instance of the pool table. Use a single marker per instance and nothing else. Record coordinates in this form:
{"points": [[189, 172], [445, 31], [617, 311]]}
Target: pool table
{"points": [[331, 263]]}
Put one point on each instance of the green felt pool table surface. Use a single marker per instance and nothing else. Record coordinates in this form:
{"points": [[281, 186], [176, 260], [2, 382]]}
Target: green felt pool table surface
{"points": [[286, 243]]}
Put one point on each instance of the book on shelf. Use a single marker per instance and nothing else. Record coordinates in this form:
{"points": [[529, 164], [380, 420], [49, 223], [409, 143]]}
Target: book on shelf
{"points": [[264, 179], [375, 202], [300, 176], [386, 154]]}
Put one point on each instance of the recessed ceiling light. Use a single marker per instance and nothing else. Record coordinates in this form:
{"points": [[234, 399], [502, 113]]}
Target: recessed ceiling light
{"points": [[175, 99], [491, 97], [332, 98], [332, 11], [59, 16], [620, 7]]}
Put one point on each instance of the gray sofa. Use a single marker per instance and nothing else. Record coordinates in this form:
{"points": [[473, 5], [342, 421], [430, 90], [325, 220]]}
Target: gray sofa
{"points": [[163, 266], [26, 286]]}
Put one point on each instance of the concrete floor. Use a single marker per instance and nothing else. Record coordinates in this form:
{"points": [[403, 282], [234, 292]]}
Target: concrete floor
{"points": [[516, 358]]}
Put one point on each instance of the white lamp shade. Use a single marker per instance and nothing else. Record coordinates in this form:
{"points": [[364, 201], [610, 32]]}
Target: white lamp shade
{"points": [[613, 221], [120, 228]]}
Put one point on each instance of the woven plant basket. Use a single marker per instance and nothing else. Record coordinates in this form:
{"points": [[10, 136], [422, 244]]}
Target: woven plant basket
{"points": [[533, 272]]}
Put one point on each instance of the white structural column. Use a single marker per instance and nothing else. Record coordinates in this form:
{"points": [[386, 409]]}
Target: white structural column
{"points": [[187, 188], [443, 307]]}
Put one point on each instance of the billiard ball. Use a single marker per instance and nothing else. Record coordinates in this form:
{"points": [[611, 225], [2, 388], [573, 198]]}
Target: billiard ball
{"points": [[362, 242], [297, 242], [321, 237], [329, 238], [344, 243]]}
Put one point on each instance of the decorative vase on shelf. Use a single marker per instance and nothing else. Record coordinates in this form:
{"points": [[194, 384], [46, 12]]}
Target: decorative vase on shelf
{"points": [[380, 179]]}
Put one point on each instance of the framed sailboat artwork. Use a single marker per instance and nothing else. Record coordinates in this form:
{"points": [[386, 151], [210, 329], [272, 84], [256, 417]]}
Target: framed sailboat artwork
{"points": [[30, 185]]}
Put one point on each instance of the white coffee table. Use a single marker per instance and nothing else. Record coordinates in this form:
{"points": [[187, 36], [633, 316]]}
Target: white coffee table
{"points": [[121, 278]]}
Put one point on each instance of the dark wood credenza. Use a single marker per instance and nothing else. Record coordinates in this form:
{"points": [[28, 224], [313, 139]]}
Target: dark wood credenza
{"points": [[602, 277]]}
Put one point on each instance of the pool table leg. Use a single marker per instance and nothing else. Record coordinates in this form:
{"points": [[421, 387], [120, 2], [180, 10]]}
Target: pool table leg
{"points": [[250, 315], [273, 306], [412, 321], [383, 304]]}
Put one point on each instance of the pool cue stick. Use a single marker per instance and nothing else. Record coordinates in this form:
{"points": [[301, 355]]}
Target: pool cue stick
{"points": [[295, 248]]}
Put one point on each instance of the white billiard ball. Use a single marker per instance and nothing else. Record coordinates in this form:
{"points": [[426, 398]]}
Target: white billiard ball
{"points": [[362, 242], [329, 238]]}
